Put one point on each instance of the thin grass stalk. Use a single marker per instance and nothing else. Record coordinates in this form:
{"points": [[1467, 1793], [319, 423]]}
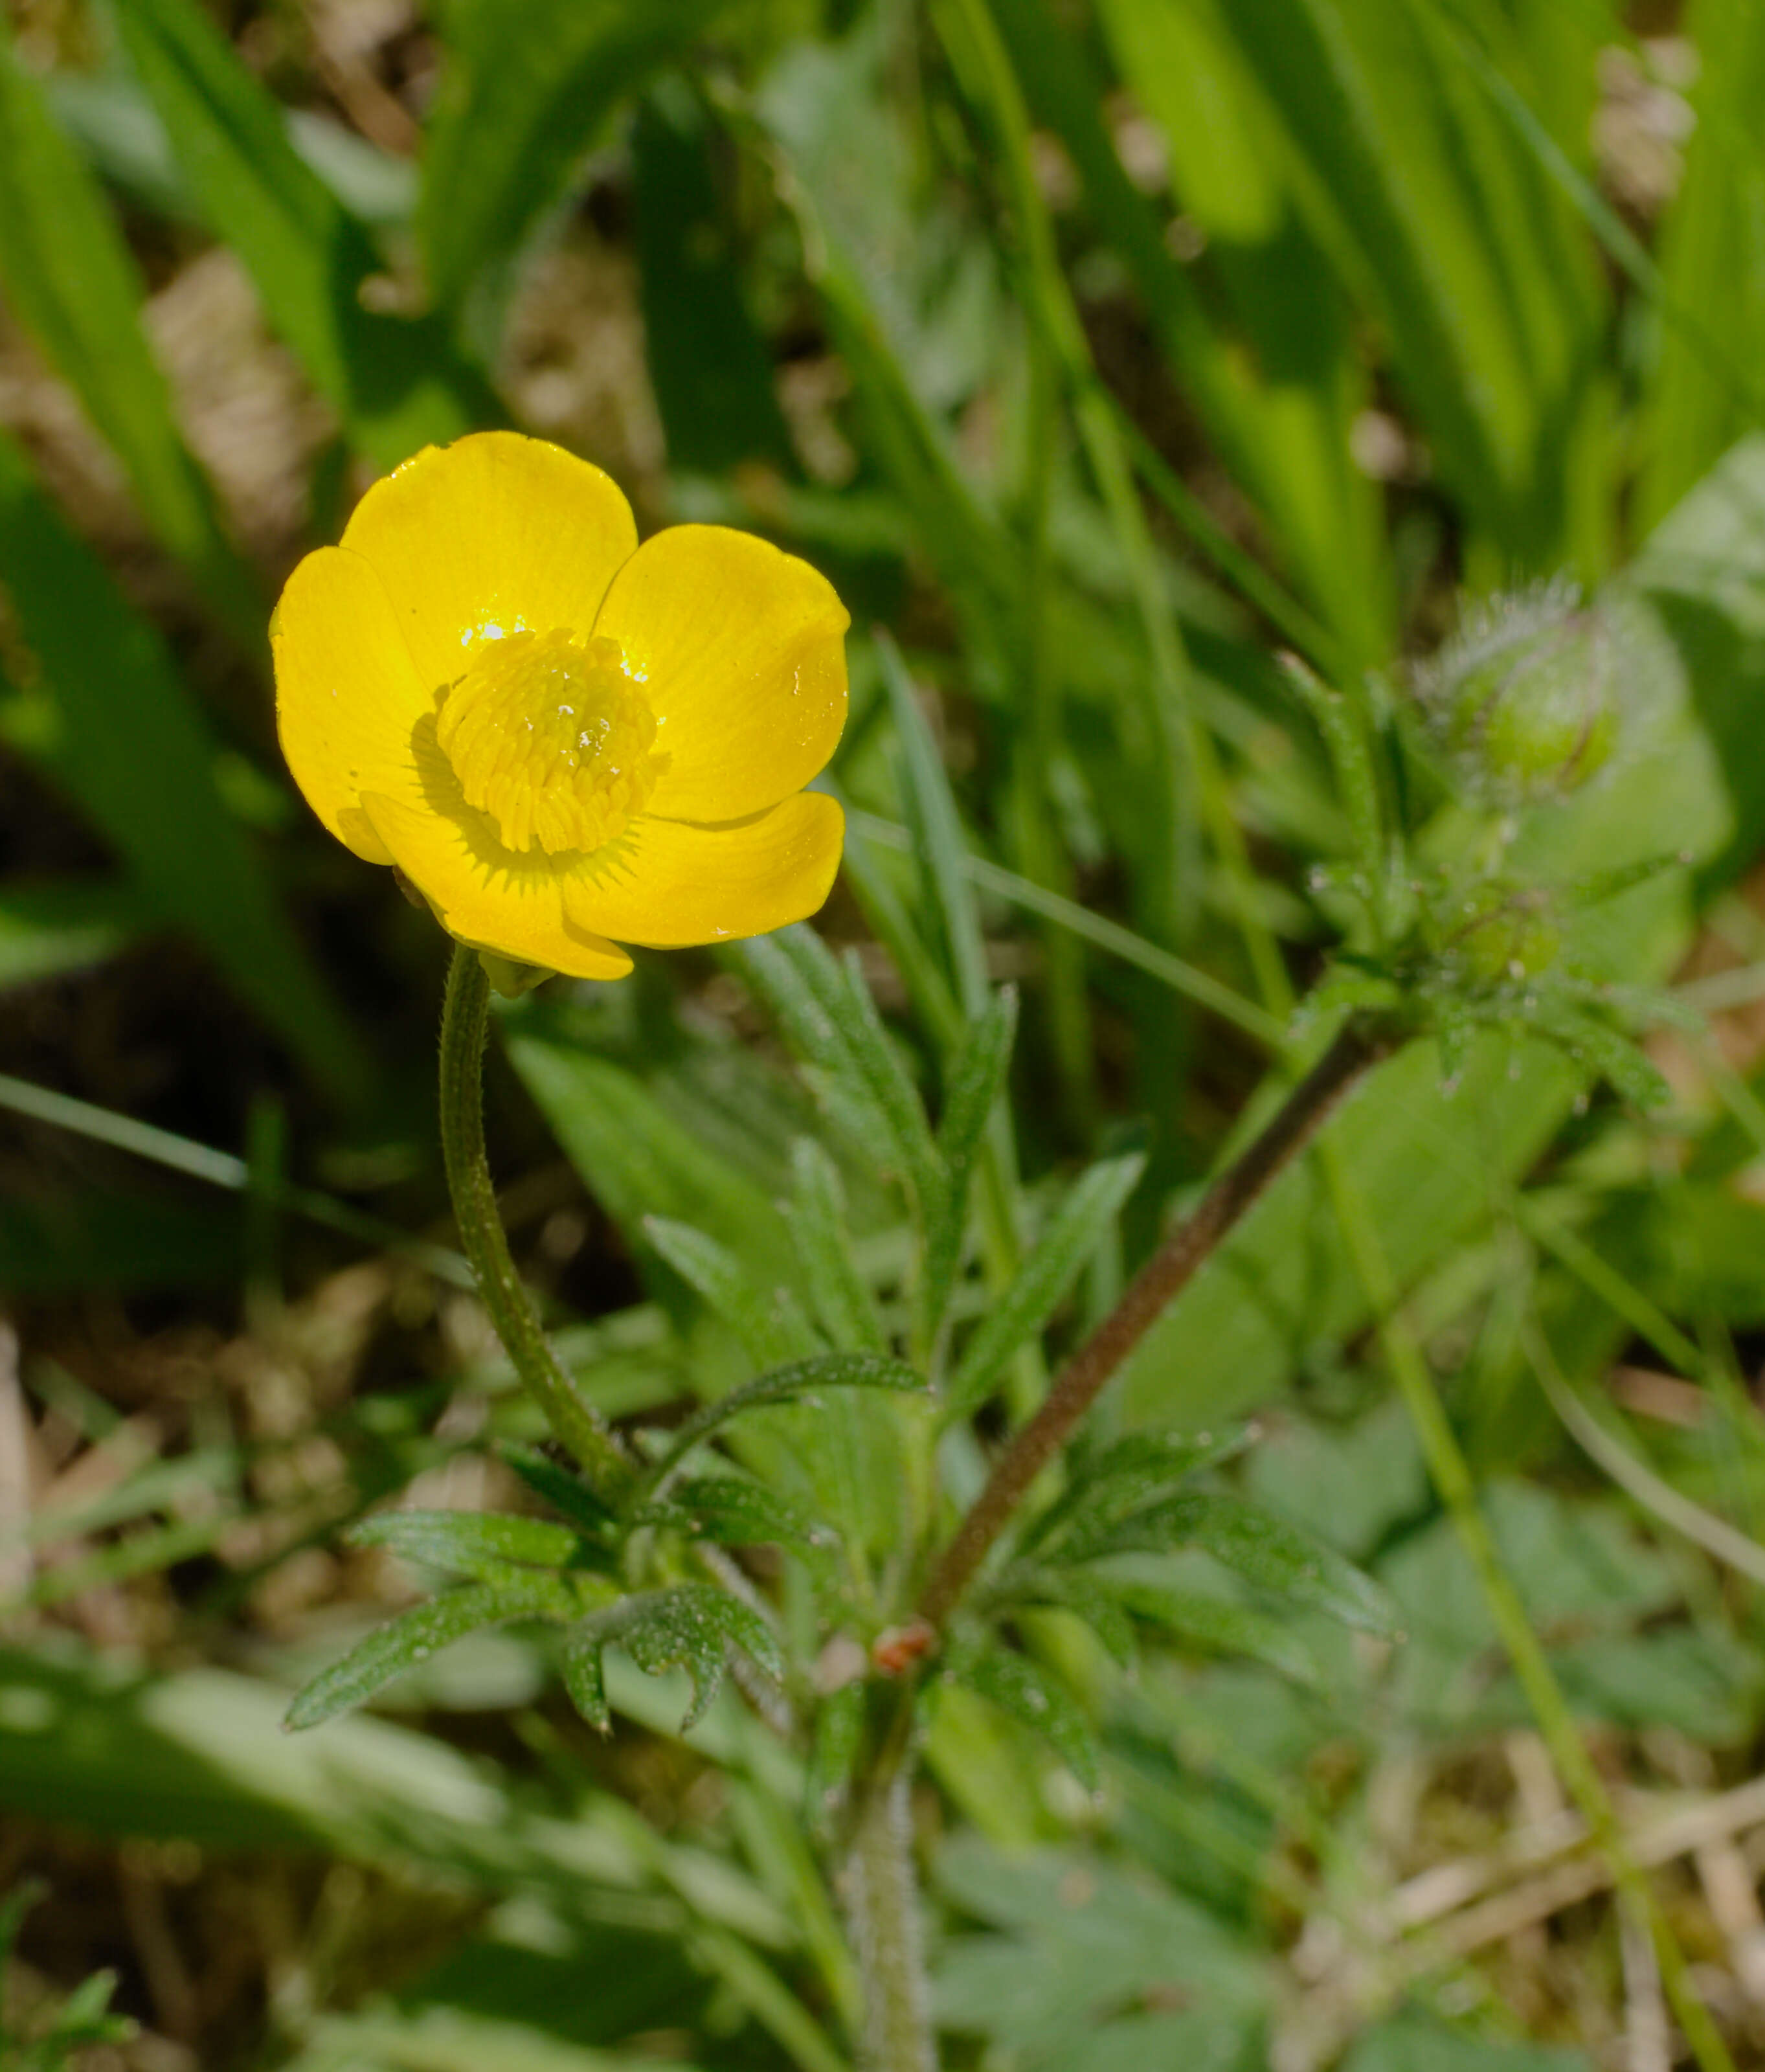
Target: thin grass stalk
{"points": [[1450, 1474], [1186, 741]]}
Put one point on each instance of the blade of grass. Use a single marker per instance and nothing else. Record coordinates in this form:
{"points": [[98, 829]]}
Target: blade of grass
{"points": [[1230, 176], [1711, 250], [1734, 1548], [1066, 94], [131, 747], [1188, 980], [1451, 1475], [524, 93], [397, 382], [980, 57], [221, 1168], [72, 281], [64, 925], [1619, 1294], [1738, 398], [1444, 228], [939, 848], [1248, 576]]}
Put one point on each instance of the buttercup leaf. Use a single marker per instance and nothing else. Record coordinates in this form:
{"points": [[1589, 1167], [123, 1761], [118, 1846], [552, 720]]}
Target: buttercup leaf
{"points": [[1040, 1701], [1052, 1264], [413, 1636], [735, 1513], [784, 1384], [1265, 1551], [481, 1544], [693, 1626], [1130, 1474]]}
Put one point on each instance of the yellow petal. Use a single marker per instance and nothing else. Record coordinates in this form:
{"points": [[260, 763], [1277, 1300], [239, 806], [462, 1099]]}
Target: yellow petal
{"points": [[487, 896], [668, 883], [347, 695], [494, 533], [740, 651]]}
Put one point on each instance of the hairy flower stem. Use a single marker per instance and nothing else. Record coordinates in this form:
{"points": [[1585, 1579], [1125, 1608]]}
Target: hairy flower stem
{"points": [[882, 1906], [465, 1019], [1361, 1043], [881, 1895]]}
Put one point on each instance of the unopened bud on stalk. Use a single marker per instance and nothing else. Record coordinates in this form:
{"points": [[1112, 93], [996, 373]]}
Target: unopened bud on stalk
{"points": [[1525, 695]]}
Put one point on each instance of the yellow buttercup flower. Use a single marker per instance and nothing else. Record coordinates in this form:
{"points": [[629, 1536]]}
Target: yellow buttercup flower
{"points": [[564, 740]]}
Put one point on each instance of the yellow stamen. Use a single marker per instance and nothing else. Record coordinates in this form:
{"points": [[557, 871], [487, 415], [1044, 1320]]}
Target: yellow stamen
{"points": [[549, 736]]}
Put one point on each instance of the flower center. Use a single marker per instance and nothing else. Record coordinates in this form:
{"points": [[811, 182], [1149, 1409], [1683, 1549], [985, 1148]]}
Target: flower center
{"points": [[548, 735]]}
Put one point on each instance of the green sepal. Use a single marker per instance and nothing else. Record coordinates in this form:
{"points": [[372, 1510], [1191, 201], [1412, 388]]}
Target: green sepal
{"points": [[510, 980]]}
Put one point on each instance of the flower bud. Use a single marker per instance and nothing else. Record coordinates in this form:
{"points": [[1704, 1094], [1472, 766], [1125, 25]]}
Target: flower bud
{"points": [[1525, 697]]}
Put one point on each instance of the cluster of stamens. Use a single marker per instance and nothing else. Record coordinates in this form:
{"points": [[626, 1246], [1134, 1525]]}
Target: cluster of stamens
{"points": [[549, 737]]}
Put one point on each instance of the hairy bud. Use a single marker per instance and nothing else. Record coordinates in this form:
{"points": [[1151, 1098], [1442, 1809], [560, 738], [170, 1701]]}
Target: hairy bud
{"points": [[1524, 696]]}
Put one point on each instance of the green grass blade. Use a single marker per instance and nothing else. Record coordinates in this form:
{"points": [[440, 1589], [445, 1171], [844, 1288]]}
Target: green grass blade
{"points": [[1713, 263], [71, 281], [1448, 230], [133, 749], [1182, 977], [524, 93], [941, 847], [64, 925], [637, 1160], [847, 176], [221, 1168], [396, 382], [767, 1322], [709, 366], [1065, 93], [1229, 178]]}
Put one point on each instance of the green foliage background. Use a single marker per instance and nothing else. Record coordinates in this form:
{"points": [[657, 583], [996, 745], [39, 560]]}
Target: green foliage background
{"points": [[1099, 351]]}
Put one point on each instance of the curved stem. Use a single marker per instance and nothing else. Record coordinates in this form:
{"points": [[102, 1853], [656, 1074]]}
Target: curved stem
{"points": [[1360, 1044], [465, 1019]]}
